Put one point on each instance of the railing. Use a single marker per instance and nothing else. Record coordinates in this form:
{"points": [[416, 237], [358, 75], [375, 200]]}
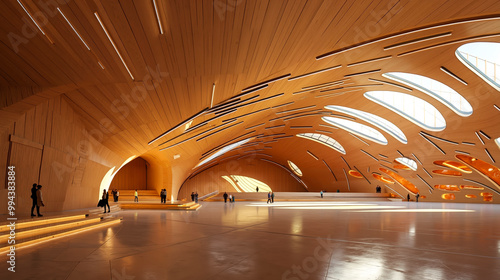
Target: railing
{"points": [[208, 195], [488, 68]]}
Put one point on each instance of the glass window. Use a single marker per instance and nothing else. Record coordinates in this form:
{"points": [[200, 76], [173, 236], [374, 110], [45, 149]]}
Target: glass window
{"points": [[483, 59], [295, 168], [381, 123], [323, 139], [358, 129], [435, 89], [407, 162], [223, 151], [416, 110]]}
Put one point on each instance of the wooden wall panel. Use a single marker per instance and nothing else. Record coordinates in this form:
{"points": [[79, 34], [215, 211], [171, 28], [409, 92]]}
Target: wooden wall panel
{"points": [[132, 176], [210, 180]]}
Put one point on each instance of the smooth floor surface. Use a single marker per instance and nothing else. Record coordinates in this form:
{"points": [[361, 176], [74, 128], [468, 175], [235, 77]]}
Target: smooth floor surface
{"points": [[284, 240]]}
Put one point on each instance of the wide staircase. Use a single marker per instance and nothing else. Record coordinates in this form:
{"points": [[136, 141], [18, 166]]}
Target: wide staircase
{"points": [[31, 231], [144, 196], [304, 196]]}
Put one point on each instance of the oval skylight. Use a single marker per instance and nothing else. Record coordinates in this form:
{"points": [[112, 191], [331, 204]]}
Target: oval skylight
{"points": [[375, 120], [435, 89], [410, 163], [246, 184], [358, 129], [323, 139], [416, 110], [295, 168], [224, 150], [483, 59]]}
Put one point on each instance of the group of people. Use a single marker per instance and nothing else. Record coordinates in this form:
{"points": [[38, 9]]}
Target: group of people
{"points": [[116, 194], [194, 196], [270, 197], [163, 195], [226, 196], [36, 197], [378, 189]]}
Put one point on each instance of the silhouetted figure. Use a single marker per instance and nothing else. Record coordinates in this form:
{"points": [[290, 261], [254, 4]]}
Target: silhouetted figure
{"points": [[417, 196], [192, 196], [272, 197], [196, 197], [268, 197], [257, 189], [225, 197], [408, 197], [338, 190], [105, 202], [33, 198], [39, 200]]}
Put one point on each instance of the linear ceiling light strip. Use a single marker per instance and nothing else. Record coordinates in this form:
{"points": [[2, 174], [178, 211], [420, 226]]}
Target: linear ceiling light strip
{"points": [[34, 21], [391, 83], [220, 130], [369, 60], [315, 72], [113, 43], [368, 154], [433, 144], [158, 16], [312, 155], [438, 138], [331, 171], [362, 174], [177, 126], [266, 82], [427, 172], [479, 137], [347, 179], [345, 162], [418, 40], [444, 69], [429, 186], [416, 158]]}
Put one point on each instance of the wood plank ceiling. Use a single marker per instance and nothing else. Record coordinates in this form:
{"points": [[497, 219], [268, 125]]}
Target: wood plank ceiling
{"points": [[236, 45]]}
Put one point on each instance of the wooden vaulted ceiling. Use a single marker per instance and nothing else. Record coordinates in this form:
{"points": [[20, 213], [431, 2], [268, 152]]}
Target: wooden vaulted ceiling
{"points": [[238, 46]]}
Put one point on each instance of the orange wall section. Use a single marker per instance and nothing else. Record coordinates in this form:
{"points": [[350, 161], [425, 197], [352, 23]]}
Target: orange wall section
{"points": [[211, 179], [132, 176]]}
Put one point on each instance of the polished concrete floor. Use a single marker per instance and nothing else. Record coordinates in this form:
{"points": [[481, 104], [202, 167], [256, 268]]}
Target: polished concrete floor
{"points": [[359, 240]]}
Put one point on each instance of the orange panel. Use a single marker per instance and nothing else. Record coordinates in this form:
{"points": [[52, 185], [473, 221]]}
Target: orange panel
{"points": [[453, 164], [400, 166], [470, 196], [487, 196], [355, 174], [489, 171], [453, 188], [448, 196], [382, 178], [447, 172], [471, 187], [401, 180]]}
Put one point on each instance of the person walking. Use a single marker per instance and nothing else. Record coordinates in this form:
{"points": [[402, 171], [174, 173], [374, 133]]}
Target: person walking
{"points": [[196, 197], [136, 198], [321, 193], [417, 196], [192, 196], [105, 197], [257, 189], [230, 198], [33, 199], [162, 196], [39, 200], [225, 197], [268, 197], [117, 195], [408, 197], [272, 197]]}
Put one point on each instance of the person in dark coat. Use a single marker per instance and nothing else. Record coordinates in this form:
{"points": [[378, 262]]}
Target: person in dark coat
{"points": [[192, 196], [417, 196], [272, 197], [225, 197], [268, 197], [39, 200], [105, 197], [196, 197], [33, 198], [408, 197]]}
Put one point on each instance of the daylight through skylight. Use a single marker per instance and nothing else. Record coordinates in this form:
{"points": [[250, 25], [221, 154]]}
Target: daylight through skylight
{"points": [[358, 129]]}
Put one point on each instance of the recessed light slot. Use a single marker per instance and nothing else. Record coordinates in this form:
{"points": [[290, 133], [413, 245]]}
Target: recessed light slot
{"points": [[331, 171], [282, 137], [284, 104], [266, 82], [220, 130], [415, 156], [345, 162], [307, 115], [34, 21], [469, 143], [479, 137], [158, 16], [427, 172], [363, 141], [444, 69], [113, 43], [276, 126], [438, 138], [296, 109], [417, 40], [390, 168], [362, 174], [484, 134], [255, 126], [368, 154], [489, 155], [362, 73], [178, 125], [314, 73], [323, 131], [433, 144], [462, 152], [311, 154], [391, 83], [429, 186], [300, 126], [347, 179]]}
